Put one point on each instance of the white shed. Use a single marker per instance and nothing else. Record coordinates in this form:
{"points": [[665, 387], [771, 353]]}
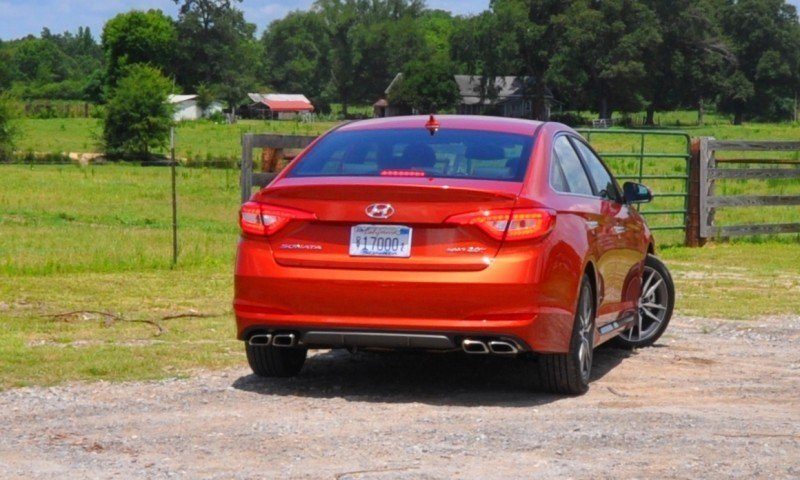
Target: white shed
{"points": [[186, 107]]}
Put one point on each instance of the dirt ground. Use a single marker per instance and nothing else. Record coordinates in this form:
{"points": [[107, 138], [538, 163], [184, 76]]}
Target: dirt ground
{"points": [[714, 399]]}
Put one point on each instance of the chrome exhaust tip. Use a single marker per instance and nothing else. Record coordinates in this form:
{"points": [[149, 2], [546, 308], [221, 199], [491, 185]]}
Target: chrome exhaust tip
{"points": [[474, 346], [284, 340], [501, 347], [260, 340]]}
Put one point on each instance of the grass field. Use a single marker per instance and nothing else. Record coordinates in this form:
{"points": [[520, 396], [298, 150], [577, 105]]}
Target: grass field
{"points": [[98, 238], [203, 138], [195, 141]]}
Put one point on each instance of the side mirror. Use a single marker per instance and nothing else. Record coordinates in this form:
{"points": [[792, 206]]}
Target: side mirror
{"points": [[636, 193]]}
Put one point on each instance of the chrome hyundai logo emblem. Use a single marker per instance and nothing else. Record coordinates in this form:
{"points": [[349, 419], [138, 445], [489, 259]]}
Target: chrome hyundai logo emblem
{"points": [[380, 210]]}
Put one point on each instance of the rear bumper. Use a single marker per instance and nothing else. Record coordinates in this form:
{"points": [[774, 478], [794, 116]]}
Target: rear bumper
{"points": [[510, 298], [320, 338]]}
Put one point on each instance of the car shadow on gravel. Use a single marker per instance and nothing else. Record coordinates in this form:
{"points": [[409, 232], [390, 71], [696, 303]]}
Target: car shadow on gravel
{"points": [[438, 379]]}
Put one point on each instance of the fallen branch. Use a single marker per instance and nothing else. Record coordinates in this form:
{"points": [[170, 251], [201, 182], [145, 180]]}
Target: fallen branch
{"points": [[87, 312], [110, 318], [189, 315]]}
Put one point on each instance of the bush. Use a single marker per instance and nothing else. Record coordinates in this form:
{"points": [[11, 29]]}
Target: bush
{"points": [[8, 131], [137, 115], [571, 119]]}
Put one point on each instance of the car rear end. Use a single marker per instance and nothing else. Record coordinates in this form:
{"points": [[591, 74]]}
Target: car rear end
{"points": [[394, 235]]}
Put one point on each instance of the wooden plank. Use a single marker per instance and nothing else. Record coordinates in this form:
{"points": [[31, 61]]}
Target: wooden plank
{"points": [[753, 173], [770, 161], [706, 186], [282, 141], [246, 178], [762, 229], [262, 179], [753, 146], [753, 200]]}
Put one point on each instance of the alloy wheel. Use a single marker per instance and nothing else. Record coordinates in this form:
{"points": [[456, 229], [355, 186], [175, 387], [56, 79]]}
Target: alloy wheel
{"points": [[586, 334], [652, 307]]}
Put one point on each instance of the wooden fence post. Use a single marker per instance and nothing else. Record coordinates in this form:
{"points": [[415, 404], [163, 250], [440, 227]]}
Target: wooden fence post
{"points": [[706, 185], [692, 237], [247, 167]]}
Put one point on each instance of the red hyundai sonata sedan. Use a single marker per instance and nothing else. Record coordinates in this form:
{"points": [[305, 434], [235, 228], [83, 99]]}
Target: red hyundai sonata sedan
{"points": [[490, 236]]}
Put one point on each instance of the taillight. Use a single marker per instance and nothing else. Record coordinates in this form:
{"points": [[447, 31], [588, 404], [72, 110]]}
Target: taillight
{"points": [[518, 224], [261, 219]]}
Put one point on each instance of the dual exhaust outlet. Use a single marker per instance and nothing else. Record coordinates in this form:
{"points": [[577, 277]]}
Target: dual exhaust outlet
{"points": [[276, 340], [497, 347]]}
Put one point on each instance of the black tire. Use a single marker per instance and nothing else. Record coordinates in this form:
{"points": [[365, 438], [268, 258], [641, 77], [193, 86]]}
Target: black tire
{"points": [[567, 373], [645, 321], [269, 361]]}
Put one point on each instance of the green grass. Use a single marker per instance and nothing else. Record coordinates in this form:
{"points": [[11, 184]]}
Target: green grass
{"points": [[98, 238], [200, 140], [736, 280]]}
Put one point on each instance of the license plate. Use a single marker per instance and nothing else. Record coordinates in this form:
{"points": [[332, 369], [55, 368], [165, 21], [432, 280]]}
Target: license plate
{"points": [[380, 241]]}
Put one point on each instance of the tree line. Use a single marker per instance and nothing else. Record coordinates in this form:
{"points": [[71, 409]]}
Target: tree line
{"points": [[741, 57]]}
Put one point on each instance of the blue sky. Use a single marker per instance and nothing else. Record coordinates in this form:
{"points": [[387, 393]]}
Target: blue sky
{"points": [[21, 17]]}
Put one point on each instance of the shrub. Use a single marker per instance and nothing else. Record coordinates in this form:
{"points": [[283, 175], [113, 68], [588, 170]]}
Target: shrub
{"points": [[571, 119], [137, 115], [8, 131]]}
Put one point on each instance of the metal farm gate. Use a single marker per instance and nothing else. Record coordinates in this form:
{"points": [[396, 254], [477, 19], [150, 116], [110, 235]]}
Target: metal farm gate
{"points": [[670, 166]]}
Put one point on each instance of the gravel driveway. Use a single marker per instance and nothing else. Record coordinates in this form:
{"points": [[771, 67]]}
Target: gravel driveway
{"points": [[714, 399]]}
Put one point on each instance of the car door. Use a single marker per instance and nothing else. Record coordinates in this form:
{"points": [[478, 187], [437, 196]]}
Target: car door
{"points": [[569, 176], [621, 237]]}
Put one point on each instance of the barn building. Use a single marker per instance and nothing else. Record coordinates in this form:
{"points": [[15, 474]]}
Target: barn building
{"points": [[507, 96], [281, 106], [186, 107]]}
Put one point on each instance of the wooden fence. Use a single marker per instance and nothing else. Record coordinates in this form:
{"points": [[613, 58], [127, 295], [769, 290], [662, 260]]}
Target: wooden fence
{"points": [[274, 147], [712, 168]]}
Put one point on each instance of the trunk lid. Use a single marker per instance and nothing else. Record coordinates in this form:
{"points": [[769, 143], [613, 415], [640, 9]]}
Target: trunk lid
{"points": [[422, 204]]}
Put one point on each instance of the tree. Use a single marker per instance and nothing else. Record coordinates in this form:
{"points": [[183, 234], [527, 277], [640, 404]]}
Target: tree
{"points": [[530, 27], [765, 35], [39, 60], [8, 130], [205, 97], [138, 117], [427, 86], [687, 65], [600, 58], [217, 48], [340, 18], [296, 54], [6, 72], [138, 37]]}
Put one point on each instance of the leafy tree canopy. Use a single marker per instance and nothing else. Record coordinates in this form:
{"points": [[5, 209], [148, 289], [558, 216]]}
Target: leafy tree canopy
{"points": [[427, 86], [138, 37], [138, 117]]}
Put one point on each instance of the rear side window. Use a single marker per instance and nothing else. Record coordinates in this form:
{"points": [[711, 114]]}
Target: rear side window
{"points": [[574, 174], [467, 154], [606, 188]]}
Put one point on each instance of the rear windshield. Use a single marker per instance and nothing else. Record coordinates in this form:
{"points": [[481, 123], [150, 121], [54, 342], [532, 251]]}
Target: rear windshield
{"points": [[467, 154]]}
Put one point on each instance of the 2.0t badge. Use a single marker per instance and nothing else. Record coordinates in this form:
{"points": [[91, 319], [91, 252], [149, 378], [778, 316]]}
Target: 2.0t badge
{"points": [[380, 210]]}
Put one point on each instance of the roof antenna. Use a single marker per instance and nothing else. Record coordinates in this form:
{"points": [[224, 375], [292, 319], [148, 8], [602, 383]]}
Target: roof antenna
{"points": [[432, 125]]}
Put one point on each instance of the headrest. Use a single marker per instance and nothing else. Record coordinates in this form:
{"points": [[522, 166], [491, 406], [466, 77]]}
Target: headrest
{"points": [[418, 155], [480, 151]]}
